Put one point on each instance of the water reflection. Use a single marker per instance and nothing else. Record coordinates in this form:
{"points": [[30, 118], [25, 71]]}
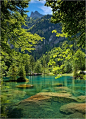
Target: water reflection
{"points": [[41, 82], [65, 81], [73, 86]]}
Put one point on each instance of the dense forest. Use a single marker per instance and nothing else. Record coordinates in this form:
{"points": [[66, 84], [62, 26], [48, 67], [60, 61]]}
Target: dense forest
{"points": [[52, 45], [43, 27], [21, 47]]}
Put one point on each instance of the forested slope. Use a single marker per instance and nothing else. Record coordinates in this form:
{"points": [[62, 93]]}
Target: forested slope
{"points": [[43, 27]]}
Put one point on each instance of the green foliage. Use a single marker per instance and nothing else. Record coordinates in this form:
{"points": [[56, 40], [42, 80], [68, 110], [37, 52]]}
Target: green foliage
{"points": [[64, 59], [29, 64], [71, 16], [58, 76], [43, 27], [79, 60], [21, 71], [15, 40], [32, 63], [13, 72], [3, 68], [38, 67], [68, 67]]}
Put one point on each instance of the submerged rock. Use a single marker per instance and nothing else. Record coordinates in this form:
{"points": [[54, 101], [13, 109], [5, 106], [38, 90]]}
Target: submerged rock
{"points": [[25, 86], [54, 94], [76, 115], [73, 107], [62, 88], [36, 98], [45, 90], [12, 97], [45, 103], [81, 98], [50, 96], [61, 97], [58, 84]]}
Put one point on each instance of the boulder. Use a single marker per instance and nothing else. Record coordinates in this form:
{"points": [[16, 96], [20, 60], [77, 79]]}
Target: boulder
{"points": [[54, 94], [48, 96], [25, 86], [73, 107], [36, 98], [62, 88], [45, 90], [76, 115], [12, 96], [61, 97], [81, 98], [58, 84]]}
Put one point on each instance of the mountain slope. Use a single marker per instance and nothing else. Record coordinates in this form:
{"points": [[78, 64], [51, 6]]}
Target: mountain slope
{"points": [[36, 15], [43, 27]]}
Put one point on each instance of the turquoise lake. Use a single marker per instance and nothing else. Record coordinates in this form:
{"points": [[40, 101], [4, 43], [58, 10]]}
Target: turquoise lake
{"points": [[12, 96]]}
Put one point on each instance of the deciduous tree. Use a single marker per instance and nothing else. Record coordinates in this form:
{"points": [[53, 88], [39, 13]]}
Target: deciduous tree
{"points": [[71, 15]]}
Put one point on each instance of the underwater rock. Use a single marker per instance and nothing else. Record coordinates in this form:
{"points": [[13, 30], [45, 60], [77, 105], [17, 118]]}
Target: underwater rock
{"points": [[12, 97], [62, 88], [81, 98], [54, 94], [14, 92], [25, 86], [73, 107], [61, 97], [63, 91], [31, 109], [36, 98], [76, 115], [50, 96], [58, 84], [45, 90]]}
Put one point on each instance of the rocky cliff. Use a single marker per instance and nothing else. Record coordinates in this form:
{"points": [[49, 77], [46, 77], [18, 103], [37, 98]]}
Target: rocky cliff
{"points": [[43, 27], [36, 14]]}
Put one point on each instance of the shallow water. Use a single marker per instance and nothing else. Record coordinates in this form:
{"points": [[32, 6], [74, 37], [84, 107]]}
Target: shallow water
{"points": [[11, 96]]}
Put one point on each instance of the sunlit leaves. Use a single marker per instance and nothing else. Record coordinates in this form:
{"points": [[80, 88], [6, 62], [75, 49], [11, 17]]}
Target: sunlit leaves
{"points": [[54, 55], [3, 68], [13, 72], [71, 46], [38, 67], [79, 60], [51, 62], [61, 58], [54, 31], [71, 15], [21, 71], [58, 76], [13, 17]]}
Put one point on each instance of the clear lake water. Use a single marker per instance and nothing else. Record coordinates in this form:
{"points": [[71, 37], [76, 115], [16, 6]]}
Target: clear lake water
{"points": [[12, 96]]}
